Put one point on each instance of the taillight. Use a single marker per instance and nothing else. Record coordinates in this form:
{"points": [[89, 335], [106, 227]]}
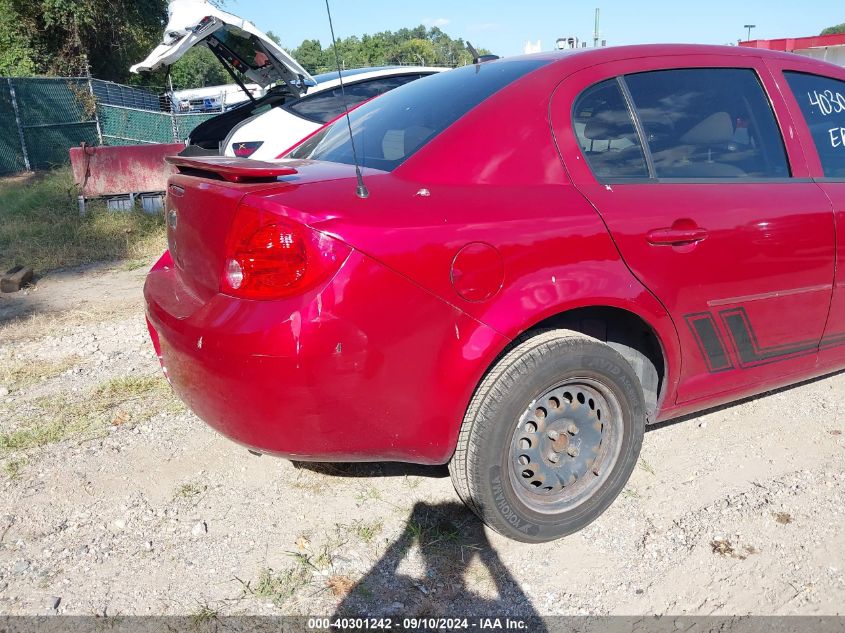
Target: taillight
{"points": [[269, 256], [245, 150]]}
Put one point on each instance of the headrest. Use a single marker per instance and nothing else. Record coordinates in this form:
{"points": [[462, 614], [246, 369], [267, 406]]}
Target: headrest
{"points": [[717, 129]]}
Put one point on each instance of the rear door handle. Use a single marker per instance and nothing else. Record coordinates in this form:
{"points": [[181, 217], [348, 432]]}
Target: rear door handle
{"points": [[676, 236]]}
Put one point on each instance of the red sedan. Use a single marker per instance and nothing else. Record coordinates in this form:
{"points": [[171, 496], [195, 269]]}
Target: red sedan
{"points": [[549, 253]]}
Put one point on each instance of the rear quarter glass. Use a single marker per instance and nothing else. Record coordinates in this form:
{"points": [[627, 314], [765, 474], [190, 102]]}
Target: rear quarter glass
{"points": [[388, 130], [822, 102]]}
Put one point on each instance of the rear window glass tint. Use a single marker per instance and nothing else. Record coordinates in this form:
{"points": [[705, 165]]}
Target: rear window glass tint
{"points": [[327, 105], [822, 101], [606, 133], [708, 123], [391, 128]]}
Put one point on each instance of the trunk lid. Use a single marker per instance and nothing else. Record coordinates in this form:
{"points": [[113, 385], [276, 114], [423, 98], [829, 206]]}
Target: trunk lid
{"points": [[238, 41]]}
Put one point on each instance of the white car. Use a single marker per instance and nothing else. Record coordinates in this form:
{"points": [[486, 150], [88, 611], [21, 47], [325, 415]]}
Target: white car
{"points": [[269, 133], [295, 104]]}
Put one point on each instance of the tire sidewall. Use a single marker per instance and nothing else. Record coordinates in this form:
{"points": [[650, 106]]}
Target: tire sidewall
{"points": [[498, 499]]}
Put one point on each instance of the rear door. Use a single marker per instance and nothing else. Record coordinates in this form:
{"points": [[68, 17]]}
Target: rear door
{"points": [[816, 95], [710, 207]]}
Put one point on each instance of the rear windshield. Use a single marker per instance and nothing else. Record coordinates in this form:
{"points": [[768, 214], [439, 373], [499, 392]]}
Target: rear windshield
{"points": [[391, 128]]}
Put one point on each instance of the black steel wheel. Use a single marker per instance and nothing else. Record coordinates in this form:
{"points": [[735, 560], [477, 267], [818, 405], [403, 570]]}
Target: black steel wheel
{"points": [[551, 436]]}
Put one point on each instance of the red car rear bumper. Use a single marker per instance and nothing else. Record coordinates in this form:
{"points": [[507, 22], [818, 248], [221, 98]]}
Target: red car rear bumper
{"points": [[370, 367]]}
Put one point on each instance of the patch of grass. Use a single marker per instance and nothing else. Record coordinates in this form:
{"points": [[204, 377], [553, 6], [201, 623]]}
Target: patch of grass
{"points": [[367, 531], [646, 466], [279, 587], [60, 418], [189, 491], [630, 493], [204, 615], [368, 493], [429, 533], [13, 468], [40, 226], [17, 374], [124, 387]]}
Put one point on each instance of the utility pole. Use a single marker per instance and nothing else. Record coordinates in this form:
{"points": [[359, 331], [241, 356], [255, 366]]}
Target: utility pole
{"points": [[749, 27], [596, 31]]}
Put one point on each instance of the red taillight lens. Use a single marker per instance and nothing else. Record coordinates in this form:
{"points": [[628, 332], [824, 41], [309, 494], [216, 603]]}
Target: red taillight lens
{"points": [[269, 256]]}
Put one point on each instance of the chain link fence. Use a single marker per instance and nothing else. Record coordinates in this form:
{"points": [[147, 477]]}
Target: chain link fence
{"points": [[41, 118]]}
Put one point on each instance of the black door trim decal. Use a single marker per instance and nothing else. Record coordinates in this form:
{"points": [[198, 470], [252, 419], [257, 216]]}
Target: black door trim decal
{"points": [[709, 341], [743, 340]]}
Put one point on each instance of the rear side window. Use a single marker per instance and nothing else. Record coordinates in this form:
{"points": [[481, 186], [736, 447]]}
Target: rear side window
{"points": [[708, 123], [391, 128], [325, 106], [606, 133], [822, 101]]}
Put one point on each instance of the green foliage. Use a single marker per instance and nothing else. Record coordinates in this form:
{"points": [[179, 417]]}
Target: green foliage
{"points": [[831, 30], [198, 68], [16, 52], [418, 46], [61, 37]]}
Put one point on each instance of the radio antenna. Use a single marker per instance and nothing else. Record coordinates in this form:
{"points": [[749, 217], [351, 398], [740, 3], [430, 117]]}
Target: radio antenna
{"points": [[361, 191]]}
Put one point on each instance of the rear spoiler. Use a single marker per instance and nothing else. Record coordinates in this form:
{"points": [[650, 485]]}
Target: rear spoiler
{"points": [[231, 169]]}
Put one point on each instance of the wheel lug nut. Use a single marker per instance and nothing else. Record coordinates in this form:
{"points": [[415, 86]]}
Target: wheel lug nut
{"points": [[554, 458], [573, 451], [553, 435], [572, 429]]}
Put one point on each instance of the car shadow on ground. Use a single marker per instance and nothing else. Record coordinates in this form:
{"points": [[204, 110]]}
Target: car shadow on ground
{"points": [[373, 469], [735, 403], [441, 566]]}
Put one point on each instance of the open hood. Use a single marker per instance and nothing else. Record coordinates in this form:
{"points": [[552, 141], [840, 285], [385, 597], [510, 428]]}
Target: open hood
{"points": [[237, 41]]}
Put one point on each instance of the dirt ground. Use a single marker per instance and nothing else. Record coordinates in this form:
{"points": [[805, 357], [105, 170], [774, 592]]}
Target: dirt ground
{"points": [[115, 500]]}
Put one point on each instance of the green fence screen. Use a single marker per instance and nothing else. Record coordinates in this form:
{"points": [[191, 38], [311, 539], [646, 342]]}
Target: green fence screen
{"points": [[41, 118]]}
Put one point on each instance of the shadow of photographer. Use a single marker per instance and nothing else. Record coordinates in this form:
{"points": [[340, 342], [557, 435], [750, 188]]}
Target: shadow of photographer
{"points": [[462, 575]]}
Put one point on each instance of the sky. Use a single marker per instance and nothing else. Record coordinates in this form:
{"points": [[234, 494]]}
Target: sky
{"points": [[504, 27]]}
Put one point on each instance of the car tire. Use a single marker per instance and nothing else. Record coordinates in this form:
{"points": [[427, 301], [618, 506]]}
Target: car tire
{"points": [[550, 437]]}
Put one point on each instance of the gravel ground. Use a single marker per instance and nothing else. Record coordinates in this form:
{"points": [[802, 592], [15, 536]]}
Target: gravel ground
{"points": [[116, 500]]}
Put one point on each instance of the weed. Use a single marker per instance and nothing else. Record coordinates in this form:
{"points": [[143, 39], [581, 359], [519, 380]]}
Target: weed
{"points": [[630, 493], [429, 533], [40, 226], [204, 615], [13, 468], [367, 531], [279, 587], [646, 466], [368, 494], [784, 518], [189, 490]]}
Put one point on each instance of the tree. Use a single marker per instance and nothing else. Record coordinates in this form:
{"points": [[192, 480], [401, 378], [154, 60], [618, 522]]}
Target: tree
{"points": [[16, 52], [63, 37], [198, 68], [405, 46], [831, 30]]}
